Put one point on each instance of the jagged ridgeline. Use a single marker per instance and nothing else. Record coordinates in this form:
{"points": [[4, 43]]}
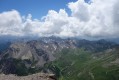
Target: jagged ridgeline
{"points": [[68, 59]]}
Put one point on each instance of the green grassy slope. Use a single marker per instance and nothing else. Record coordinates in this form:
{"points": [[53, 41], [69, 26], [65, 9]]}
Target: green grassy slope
{"points": [[82, 65]]}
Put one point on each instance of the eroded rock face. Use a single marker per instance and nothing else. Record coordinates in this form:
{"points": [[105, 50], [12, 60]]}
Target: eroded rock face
{"points": [[37, 50], [38, 76]]}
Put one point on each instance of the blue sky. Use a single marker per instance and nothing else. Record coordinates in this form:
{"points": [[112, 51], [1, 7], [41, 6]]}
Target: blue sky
{"points": [[63, 18], [37, 8]]}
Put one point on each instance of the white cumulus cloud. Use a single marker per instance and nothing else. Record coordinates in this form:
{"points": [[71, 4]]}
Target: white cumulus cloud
{"points": [[98, 19], [10, 23]]}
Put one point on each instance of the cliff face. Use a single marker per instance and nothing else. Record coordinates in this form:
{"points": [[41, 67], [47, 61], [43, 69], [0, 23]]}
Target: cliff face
{"points": [[38, 76]]}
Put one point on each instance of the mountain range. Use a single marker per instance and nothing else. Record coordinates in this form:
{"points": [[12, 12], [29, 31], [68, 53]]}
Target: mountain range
{"points": [[67, 58]]}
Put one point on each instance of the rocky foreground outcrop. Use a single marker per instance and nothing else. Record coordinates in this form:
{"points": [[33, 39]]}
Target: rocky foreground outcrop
{"points": [[38, 76]]}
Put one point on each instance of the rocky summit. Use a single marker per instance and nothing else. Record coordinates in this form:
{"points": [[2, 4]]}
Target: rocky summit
{"points": [[38, 76]]}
